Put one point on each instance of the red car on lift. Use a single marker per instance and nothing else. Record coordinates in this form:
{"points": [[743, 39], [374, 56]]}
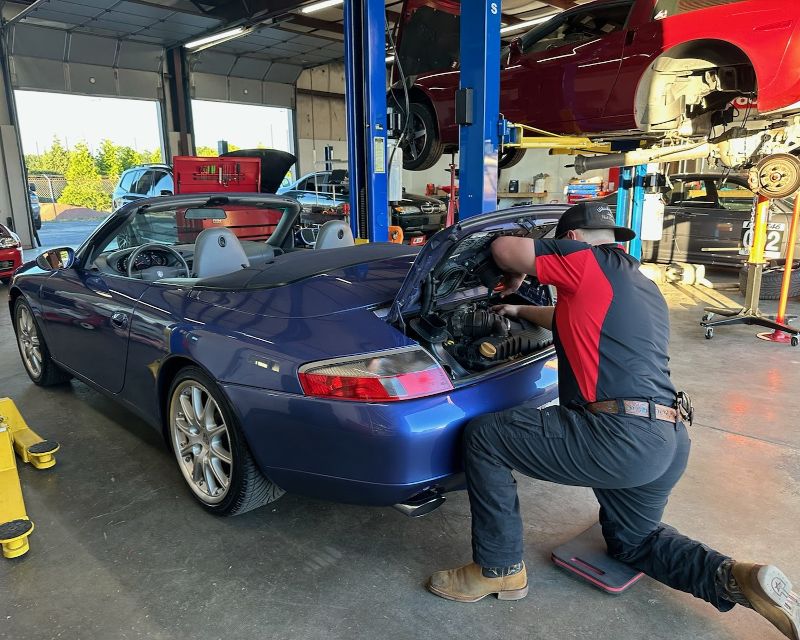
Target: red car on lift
{"points": [[642, 69], [10, 253]]}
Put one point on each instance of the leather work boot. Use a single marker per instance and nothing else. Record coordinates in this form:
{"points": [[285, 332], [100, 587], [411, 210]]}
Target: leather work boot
{"points": [[468, 584], [770, 593]]}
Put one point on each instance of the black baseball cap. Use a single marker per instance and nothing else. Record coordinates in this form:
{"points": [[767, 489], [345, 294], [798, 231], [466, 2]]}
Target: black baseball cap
{"points": [[592, 215]]}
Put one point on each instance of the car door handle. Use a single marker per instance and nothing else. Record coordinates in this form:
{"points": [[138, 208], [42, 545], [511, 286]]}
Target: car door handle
{"points": [[119, 319]]}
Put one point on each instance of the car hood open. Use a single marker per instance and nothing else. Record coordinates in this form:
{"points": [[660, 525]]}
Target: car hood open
{"points": [[536, 221], [275, 164]]}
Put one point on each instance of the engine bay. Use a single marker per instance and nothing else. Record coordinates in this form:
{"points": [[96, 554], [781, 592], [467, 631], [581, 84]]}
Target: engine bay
{"points": [[472, 338]]}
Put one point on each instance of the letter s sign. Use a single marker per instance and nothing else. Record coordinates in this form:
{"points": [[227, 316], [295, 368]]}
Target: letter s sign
{"points": [[493, 8]]}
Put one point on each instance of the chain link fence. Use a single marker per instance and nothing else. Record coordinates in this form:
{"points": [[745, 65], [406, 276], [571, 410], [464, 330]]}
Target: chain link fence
{"points": [[50, 189]]}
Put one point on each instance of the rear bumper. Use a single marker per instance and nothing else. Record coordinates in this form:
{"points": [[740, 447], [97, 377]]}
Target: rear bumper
{"points": [[378, 454], [10, 261]]}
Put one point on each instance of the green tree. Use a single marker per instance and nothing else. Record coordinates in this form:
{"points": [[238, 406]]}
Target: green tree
{"points": [[108, 160], [152, 157], [84, 186], [56, 158], [206, 152]]}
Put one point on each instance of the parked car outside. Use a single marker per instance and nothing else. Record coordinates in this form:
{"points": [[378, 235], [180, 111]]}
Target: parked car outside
{"points": [[707, 220], [36, 207], [323, 194], [143, 181], [611, 69], [309, 371], [10, 253]]}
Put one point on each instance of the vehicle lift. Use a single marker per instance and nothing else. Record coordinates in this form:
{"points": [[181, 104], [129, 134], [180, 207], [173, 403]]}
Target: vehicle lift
{"points": [[17, 437]]}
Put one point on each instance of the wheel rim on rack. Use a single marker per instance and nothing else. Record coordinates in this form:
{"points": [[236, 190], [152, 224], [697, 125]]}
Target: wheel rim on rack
{"points": [[202, 441]]}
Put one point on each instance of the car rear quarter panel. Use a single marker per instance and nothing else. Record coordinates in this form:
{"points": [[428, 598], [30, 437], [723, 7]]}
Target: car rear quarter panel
{"points": [[375, 453]]}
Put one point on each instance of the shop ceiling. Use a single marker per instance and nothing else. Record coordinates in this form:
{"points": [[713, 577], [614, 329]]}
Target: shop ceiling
{"points": [[278, 31]]}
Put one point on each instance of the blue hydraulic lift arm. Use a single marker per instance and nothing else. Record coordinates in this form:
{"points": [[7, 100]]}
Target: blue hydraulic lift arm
{"points": [[480, 72], [365, 96]]}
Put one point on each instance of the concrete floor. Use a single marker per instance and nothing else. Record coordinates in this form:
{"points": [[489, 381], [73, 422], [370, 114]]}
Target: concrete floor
{"points": [[121, 551]]}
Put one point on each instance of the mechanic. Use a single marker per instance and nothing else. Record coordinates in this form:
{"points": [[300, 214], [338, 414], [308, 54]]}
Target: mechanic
{"points": [[619, 429]]}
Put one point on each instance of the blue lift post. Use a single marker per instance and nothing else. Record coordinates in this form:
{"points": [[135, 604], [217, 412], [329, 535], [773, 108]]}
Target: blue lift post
{"points": [[480, 72], [365, 95], [630, 204]]}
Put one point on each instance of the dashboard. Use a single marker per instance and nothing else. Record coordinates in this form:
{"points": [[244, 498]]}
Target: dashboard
{"points": [[144, 260]]}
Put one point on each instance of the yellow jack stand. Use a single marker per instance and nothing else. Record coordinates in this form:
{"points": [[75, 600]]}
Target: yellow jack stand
{"points": [[15, 526], [30, 447]]}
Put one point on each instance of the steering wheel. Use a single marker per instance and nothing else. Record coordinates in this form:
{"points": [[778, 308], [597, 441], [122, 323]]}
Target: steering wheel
{"points": [[157, 273]]}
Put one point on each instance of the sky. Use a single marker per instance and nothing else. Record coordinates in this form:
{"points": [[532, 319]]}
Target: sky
{"points": [[135, 123]]}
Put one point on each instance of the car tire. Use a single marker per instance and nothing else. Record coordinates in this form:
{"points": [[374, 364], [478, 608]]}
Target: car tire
{"points": [[423, 124], [772, 280], [510, 157], [33, 349], [215, 460]]}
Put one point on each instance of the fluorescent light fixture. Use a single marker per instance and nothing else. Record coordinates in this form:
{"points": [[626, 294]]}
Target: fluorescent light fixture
{"points": [[217, 38], [319, 6], [389, 59], [525, 25]]}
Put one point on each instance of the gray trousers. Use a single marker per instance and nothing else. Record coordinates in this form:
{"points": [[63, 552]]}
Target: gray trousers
{"points": [[631, 463]]}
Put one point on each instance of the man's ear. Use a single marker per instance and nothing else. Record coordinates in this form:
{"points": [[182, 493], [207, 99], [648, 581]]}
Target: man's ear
{"points": [[571, 235]]}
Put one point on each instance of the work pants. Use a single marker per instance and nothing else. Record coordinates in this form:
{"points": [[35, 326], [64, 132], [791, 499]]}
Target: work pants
{"points": [[632, 463]]}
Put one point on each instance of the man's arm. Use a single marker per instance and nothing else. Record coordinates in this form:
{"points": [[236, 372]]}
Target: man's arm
{"points": [[514, 255], [542, 316]]}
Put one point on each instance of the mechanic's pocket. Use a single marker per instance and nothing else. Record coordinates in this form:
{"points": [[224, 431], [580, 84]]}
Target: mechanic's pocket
{"points": [[654, 428], [540, 422]]}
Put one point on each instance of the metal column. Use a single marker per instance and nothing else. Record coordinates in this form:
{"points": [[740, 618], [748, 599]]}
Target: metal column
{"points": [[178, 129], [630, 204], [14, 200], [480, 72], [365, 95]]}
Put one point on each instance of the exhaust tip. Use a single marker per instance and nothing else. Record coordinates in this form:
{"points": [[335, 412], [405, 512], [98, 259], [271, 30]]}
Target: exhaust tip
{"points": [[421, 505]]}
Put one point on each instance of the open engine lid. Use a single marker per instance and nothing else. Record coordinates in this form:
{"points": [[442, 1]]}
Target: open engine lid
{"points": [[534, 221]]}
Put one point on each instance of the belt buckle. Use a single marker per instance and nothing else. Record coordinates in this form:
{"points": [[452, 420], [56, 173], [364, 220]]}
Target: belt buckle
{"points": [[685, 407]]}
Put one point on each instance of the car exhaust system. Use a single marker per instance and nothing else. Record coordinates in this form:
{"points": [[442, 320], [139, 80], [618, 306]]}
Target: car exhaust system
{"points": [[421, 504], [675, 153]]}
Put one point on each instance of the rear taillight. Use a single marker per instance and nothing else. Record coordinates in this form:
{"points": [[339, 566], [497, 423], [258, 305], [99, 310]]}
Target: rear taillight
{"points": [[385, 376]]}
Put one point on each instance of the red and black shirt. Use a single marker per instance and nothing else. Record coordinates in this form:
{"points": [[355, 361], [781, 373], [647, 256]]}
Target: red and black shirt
{"points": [[611, 324]]}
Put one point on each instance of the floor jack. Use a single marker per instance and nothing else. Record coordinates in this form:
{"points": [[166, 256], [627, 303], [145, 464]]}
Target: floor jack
{"points": [[15, 436], [587, 557]]}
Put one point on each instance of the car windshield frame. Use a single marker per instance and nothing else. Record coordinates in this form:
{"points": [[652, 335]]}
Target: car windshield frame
{"points": [[98, 241]]}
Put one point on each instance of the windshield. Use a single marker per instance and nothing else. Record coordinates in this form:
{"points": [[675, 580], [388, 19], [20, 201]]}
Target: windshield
{"points": [[249, 220]]}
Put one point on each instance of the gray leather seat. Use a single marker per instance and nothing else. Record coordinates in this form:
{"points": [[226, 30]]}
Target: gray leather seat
{"points": [[217, 252], [333, 234]]}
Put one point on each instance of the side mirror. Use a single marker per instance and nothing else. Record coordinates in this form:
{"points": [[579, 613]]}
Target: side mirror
{"points": [[514, 50], [56, 259], [166, 192]]}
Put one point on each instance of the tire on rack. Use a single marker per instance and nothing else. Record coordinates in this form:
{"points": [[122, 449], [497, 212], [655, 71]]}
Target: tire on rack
{"points": [[510, 157], [210, 449], [772, 279], [33, 349], [424, 147]]}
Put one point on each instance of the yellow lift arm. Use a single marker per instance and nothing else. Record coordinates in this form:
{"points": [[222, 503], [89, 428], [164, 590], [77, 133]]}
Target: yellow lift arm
{"points": [[15, 435], [519, 137]]}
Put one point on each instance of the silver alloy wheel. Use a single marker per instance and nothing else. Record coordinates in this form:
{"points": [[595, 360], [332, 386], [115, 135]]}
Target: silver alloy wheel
{"points": [[201, 441], [28, 339]]}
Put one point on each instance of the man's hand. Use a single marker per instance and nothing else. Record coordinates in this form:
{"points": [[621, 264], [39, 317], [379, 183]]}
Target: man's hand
{"points": [[511, 283], [507, 310]]}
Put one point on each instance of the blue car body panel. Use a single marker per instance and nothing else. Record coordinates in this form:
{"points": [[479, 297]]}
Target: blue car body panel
{"points": [[252, 342]]}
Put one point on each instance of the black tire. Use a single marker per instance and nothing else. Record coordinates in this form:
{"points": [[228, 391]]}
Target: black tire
{"points": [[772, 279], [248, 488], [29, 337], [424, 136], [510, 156]]}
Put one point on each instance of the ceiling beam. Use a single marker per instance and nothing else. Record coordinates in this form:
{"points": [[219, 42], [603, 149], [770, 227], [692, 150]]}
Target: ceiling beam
{"points": [[317, 24]]}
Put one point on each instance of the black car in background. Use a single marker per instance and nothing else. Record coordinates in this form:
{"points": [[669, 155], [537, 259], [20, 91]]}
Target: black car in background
{"points": [[707, 221], [323, 194]]}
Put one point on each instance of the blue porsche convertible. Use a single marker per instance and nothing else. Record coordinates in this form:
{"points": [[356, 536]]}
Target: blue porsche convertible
{"points": [[343, 372]]}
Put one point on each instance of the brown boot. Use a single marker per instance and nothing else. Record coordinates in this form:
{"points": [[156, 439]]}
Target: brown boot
{"points": [[770, 593], [468, 584]]}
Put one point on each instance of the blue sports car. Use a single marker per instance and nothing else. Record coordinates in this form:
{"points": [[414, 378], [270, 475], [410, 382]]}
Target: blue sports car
{"points": [[344, 373]]}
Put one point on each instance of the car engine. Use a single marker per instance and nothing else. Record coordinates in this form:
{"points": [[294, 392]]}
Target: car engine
{"points": [[472, 338]]}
